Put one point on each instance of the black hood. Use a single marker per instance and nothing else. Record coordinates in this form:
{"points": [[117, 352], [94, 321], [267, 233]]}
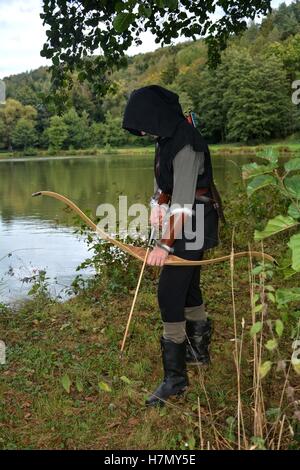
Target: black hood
{"points": [[154, 110], [157, 111]]}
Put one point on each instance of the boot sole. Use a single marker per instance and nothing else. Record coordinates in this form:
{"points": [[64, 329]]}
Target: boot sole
{"points": [[162, 402]]}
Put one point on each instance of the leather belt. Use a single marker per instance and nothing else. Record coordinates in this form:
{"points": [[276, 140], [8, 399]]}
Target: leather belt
{"points": [[200, 192]]}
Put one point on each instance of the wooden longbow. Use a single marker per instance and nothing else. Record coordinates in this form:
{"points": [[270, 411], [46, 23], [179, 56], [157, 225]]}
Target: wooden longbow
{"points": [[140, 252]]}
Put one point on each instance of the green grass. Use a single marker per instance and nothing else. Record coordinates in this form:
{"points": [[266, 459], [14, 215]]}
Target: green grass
{"points": [[80, 152], [285, 147], [80, 339]]}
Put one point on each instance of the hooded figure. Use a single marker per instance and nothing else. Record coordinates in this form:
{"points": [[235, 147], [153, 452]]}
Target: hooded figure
{"points": [[183, 184], [156, 111]]}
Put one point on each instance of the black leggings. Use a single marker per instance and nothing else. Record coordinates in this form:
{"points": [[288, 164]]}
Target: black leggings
{"points": [[179, 287]]}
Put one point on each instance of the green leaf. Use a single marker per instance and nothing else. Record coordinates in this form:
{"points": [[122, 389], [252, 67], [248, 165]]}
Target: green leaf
{"points": [[257, 270], [294, 245], [279, 327], [296, 314], [119, 6], [79, 385], [122, 21], [163, 410], [258, 442], [104, 387], [273, 413], [292, 165], [264, 369], [171, 4], [55, 60], [292, 185], [288, 273], [260, 182], [269, 154], [255, 328], [276, 225], [66, 383], [253, 169], [271, 297], [258, 308], [293, 211], [191, 442], [125, 379], [145, 11], [271, 344], [82, 75], [270, 288], [286, 295]]}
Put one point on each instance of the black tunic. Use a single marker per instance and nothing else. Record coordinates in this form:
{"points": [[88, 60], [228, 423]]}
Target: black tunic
{"points": [[156, 111]]}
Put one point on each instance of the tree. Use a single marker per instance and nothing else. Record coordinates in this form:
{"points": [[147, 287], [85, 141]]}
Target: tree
{"points": [[57, 133], [26, 95], [96, 132], [170, 72], [24, 134], [2, 134], [78, 129], [10, 114], [83, 99], [289, 53], [257, 99], [76, 30], [112, 132], [209, 104], [216, 95], [286, 20]]}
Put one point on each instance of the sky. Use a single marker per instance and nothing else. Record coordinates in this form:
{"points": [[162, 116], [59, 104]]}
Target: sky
{"points": [[22, 36]]}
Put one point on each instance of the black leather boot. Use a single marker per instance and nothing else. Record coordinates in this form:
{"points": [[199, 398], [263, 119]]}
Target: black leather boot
{"points": [[199, 336], [175, 377]]}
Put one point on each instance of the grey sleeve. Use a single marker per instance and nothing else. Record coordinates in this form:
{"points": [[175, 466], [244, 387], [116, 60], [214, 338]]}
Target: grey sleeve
{"points": [[187, 164]]}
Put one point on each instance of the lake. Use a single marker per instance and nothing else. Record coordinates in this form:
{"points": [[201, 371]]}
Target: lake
{"points": [[38, 233]]}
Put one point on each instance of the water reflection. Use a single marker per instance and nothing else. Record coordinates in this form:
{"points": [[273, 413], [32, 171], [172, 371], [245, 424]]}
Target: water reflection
{"points": [[42, 230]]}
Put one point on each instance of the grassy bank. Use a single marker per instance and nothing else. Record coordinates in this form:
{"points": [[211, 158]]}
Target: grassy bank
{"points": [[65, 386], [285, 148], [79, 152]]}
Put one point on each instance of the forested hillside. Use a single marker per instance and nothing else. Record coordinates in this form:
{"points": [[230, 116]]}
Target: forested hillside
{"points": [[247, 99]]}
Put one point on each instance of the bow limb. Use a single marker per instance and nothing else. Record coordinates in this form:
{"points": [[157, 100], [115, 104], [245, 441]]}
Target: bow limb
{"points": [[84, 217], [134, 300], [139, 252]]}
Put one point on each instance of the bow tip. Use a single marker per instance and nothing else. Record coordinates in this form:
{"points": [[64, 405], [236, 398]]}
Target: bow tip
{"points": [[39, 193]]}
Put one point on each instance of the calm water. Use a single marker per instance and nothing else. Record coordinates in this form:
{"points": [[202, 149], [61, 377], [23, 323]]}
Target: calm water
{"points": [[38, 232]]}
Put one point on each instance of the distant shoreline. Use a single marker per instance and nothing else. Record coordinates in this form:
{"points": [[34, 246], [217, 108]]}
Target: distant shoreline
{"points": [[216, 149]]}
